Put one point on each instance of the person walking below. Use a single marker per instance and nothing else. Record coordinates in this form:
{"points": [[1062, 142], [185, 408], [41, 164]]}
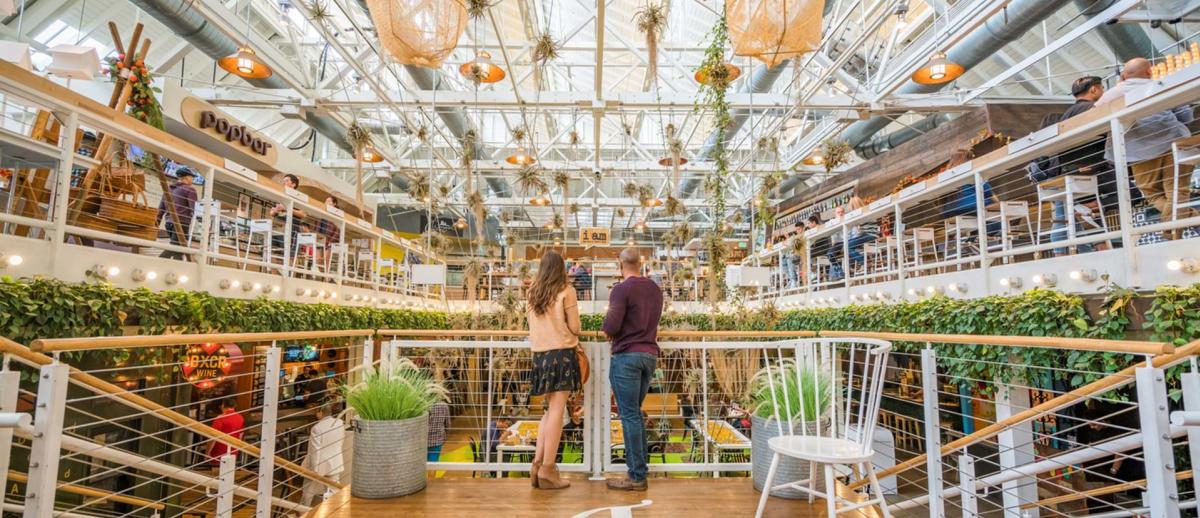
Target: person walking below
{"points": [[325, 442], [553, 336], [634, 309], [439, 421]]}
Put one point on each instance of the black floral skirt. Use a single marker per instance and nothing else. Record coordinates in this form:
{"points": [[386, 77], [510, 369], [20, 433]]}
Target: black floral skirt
{"points": [[555, 371]]}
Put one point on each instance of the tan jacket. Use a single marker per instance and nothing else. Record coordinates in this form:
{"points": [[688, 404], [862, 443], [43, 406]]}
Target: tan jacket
{"points": [[559, 327]]}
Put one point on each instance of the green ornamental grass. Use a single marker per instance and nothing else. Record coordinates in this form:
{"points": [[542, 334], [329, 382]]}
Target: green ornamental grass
{"points": [[790, 392], [403, 392]]}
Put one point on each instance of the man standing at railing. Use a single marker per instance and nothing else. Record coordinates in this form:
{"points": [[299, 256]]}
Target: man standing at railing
{"points": [[634, 310], [184, 197], [1148, 144]]}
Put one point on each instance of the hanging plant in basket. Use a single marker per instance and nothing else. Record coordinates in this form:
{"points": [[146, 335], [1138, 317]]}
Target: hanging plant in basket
{"points": [[469, 140], [836, 153], [477, 8], [478, 210], [358, 136], [529, 180], [545, 50]]}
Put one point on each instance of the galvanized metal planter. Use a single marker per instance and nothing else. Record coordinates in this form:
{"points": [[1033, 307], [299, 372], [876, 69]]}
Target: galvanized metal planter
{"points": [[790, 470], [389, 457]]}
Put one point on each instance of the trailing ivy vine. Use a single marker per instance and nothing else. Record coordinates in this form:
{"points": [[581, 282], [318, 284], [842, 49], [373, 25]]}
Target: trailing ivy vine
{"points": [[712, 96]]}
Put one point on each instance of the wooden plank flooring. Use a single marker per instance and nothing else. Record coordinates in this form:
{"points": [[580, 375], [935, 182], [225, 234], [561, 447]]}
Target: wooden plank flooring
{"points": [[690, 498]]}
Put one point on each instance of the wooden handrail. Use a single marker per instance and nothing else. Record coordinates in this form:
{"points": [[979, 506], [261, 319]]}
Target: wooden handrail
{"points": [[99, 495], [138, 402], [1077, 344], [49, 345], [510, 333], [1106, 490], [1096, 387]]}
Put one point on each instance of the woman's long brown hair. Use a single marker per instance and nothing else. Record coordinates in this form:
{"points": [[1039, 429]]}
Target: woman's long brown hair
{"points": [[551, 279]]}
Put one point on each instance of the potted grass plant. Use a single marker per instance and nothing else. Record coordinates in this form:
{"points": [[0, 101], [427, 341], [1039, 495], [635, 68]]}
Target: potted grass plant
{"points": [[390, 425], [778, 392]]}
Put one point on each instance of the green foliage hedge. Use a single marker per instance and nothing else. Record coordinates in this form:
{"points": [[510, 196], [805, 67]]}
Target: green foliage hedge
{"points": [[48, 308]]}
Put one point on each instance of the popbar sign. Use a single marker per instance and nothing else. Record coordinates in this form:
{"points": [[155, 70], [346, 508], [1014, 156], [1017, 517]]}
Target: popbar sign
{"points": [[237, 133]]}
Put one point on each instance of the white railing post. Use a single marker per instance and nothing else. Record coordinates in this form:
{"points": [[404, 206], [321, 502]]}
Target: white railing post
{"points": [[62, 187], [368, 357], [225, 486], [1161, 488], [47, 440], [10, 383], [1016, 449], [1124, 201], [1191, 403], [985, 264], [966, 486], [270, 415], [209, 227], [598, 422], [933, 436]]}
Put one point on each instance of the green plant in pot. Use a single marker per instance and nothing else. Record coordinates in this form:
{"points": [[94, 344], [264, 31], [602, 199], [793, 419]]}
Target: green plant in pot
{"points": [[390, 425], [778, 392]]}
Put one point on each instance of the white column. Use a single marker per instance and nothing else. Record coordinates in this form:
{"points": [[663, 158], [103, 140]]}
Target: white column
{"points": [[270, 415], [225, 486], [1191, 403], [62, 188], [1125, 214], [47, 440], [1016, 450], [9, 386], [933, 436], [1162, 492], [966, 486]]}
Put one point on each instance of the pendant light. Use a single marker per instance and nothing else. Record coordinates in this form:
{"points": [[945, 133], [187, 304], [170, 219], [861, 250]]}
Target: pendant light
{"points": [[244, 62], [521, 157], [938, 70], [482, 69], [539, 201], [814, 159], [669, 161], [369, 155], [732, 72]]}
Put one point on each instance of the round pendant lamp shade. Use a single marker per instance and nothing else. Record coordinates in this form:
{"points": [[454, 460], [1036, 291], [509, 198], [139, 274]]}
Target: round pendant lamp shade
{"points": [[670, 161], [937, 71], [732, 72], [482, 69], [814, 159], [773, 31], [369, 155], [521, 157], [419, 32], [245, 63]]}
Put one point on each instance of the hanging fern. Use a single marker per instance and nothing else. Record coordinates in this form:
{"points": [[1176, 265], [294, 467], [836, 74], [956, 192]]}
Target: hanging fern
{"points": [[519, 133], [477, 8], [573, 138], [557, 220], [674, 207], [469, 139], [545, 48], [418, 188], [631, 190], [358, 136], [644, 194], [620, 212], [573, 208], [561, 180], [836, 153]]}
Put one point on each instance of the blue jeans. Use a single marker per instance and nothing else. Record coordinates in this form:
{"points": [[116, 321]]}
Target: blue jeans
{"points": [[788, 262], [630, 378], [1058, 231], [434, 453]]}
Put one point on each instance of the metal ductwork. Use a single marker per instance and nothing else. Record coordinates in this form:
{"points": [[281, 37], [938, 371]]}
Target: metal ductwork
{"points": [[1127, 40], [880, 144], [1002, 29], [178, 16], [760, 81]]}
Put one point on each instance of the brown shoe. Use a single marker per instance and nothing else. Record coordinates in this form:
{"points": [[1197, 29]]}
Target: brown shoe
{"points": [[553, 481], [533, 473], [626, 484]]}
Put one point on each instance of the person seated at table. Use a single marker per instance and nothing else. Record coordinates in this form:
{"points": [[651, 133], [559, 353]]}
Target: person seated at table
{"points": [[497, 433], [857, 236]]}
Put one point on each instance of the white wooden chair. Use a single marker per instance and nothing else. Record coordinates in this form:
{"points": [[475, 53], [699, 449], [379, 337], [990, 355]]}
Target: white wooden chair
{"points": [[846, 375]]}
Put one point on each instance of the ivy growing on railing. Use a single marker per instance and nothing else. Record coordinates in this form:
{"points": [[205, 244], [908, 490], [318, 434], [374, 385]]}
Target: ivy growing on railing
{"points": [[49, 308]]}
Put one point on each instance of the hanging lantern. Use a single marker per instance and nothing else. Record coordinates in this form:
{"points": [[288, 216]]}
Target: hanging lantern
{"points": [[369, 155], [461, 223], [938, 70], [481, 69], [814, 159], [773, 31], [418, 32], [732, 72], [640, 226], [653, 202], [245, 63], [539, 201], [671, 162], [521, 157]]}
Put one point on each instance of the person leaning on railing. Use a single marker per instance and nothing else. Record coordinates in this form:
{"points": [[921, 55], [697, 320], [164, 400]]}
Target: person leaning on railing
{"points": [[1148, 143], [554, 329], [183, 197]]}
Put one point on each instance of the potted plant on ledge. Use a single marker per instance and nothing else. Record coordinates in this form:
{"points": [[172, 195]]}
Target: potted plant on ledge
{"points": [[776, 393], [390, 427]]}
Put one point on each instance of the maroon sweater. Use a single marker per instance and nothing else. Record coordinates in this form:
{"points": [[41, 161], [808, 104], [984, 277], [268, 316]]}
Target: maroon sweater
{"points": [[634, 309]]}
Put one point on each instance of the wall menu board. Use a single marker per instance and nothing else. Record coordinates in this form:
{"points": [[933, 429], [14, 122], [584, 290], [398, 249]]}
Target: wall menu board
{"points": [[793, 219], [594, 236]]}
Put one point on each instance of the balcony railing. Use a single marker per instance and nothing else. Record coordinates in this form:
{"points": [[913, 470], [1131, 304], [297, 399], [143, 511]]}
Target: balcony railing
{"points": [[1025, 437]]}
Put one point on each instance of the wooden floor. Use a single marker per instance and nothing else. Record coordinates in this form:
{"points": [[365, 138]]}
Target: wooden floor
{"points": [[689, 498]]}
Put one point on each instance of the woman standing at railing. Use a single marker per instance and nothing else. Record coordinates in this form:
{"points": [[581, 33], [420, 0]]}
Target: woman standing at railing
{"points": [[553, 336]]}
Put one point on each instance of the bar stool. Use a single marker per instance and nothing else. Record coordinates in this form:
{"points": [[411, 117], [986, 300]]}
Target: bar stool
{"points": [[337, 252], [916, 237], [1006, 213], [194, 227], [1069, 190], [264, 229], [822, 267], [959, 227], [306, 250], [365, 257], [871, 256]]}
